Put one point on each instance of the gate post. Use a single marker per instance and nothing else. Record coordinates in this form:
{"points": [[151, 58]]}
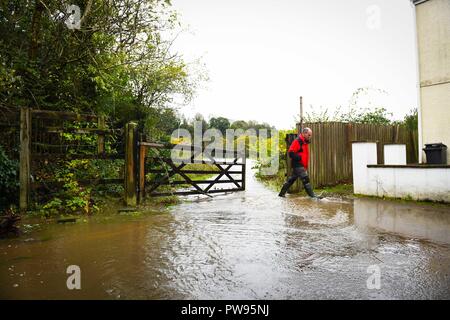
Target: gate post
{"points": [[130, 164], [141, 170], [101, 135], [25, 170], [243, 174]]}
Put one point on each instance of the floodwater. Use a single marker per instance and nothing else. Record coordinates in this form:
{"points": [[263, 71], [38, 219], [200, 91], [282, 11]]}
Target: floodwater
{"points": [[246, 245]]}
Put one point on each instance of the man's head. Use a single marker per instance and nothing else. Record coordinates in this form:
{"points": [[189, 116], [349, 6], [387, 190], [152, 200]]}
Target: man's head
{"points": [[307, 134]]}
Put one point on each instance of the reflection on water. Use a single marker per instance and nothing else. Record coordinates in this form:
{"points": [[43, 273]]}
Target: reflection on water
{"points": [[247, 245], [409, 220]]}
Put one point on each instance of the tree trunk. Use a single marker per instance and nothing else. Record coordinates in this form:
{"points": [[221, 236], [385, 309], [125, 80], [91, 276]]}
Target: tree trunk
{"points": [[34, 32]]}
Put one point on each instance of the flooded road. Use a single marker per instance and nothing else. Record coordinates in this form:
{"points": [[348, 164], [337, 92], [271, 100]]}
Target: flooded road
{"points": [[246, 245]]}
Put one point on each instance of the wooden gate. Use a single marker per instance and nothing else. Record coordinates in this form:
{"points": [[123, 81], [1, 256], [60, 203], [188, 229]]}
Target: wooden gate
{"points": [[158, 169]]}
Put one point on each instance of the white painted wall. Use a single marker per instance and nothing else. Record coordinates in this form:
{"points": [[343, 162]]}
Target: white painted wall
{"points": [[395, 154], [425, 183], [415, 183], [363, 153]]}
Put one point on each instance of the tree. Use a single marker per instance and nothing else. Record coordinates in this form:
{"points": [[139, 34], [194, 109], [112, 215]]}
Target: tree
{"points": [[239, 124], [360, 112], [185, 124], [377, 116], [411, 119], [219, 123], [161, 123], [118, 62], [199, 118], [321, 114], [355, 112]]}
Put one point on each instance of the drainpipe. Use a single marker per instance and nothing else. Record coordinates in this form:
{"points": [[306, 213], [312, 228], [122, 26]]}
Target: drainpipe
{"points": [[418, 98]]}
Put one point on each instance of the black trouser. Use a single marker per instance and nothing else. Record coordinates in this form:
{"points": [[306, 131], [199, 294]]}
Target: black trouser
{"points": [[298, 172]]}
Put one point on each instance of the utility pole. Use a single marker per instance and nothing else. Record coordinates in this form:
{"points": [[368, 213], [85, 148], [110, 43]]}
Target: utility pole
{"points": [[301, 114]]}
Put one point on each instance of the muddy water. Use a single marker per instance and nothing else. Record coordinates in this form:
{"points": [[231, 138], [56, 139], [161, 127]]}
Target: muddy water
{"points": [[247, 245]]}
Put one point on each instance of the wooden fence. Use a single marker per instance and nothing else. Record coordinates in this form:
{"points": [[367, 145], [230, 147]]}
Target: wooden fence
{"points": [[38, 140], [331, 148], [43, 140]]}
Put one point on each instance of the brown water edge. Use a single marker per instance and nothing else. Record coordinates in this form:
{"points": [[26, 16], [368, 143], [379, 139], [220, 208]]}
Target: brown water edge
{"points": [[247, 245]]}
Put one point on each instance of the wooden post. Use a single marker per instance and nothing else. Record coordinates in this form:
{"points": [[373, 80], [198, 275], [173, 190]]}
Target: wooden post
{"points": [[301, 115], [130, 163], [25, 170], [101, 136], [142, 155], [397, 129], [296, 187], [244, 162]]}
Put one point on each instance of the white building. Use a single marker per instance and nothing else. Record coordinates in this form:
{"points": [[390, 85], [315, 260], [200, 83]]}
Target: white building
{"points": [[433, 45], [421, 181]]}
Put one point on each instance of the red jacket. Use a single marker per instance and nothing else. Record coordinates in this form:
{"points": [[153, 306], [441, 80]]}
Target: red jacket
{"points": [[303, 153]]}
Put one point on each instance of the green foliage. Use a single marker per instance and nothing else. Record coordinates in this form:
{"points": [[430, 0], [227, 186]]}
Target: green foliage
{"points": [[9, 180], [219, 123], [160, 123], [276, 181], [239, 124], [360, 111], [251, 124], [282, 141], [356, 111], [72, 198], [118, 64], [320, 115], [377, 116], [222, 124], [411, 120]]}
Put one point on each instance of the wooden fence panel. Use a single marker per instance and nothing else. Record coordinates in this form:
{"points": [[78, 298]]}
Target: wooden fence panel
{"points": [[331, 147]]}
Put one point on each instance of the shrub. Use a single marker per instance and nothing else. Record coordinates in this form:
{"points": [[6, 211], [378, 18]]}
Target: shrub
{"points": [[9, 180]]}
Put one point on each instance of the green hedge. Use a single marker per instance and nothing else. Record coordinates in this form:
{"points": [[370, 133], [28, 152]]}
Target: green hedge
{"points": [[9, 181]]}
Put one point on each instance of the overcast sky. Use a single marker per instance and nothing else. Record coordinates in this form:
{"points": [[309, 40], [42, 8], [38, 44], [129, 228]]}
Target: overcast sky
{"points": [[261, 55]]}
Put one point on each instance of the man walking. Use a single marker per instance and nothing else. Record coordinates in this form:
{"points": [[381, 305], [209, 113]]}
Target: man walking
{"points": [[299, 154]]}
